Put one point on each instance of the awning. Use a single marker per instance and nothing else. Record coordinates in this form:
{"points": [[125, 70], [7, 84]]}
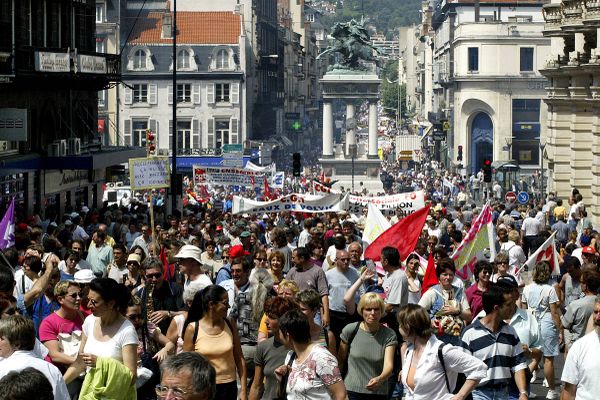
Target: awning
{"points": [[101, 126]]}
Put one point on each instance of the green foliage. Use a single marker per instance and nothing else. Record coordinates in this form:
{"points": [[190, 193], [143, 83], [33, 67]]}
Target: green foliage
{"points": [[386, 15], [390, 70], [389, 98]]}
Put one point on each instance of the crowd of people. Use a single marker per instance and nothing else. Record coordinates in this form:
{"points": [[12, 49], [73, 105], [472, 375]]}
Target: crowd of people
{"points": [[96, 304]]}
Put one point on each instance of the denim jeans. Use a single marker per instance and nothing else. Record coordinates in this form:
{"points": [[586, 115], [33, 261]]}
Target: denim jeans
{"points": [[485, 393]]}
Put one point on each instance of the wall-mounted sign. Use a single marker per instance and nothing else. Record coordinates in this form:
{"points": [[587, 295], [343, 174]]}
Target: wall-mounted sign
{"points": [[13, 124], [52, 62], [91, 64]]}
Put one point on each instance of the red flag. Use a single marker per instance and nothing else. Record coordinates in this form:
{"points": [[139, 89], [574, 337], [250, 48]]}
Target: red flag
{"points": [[322, 179], [267, 190], [430, 279], [403, 235], [252, 182]]}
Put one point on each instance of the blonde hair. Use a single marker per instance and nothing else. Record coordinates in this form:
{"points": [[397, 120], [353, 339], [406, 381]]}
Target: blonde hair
{"points": [[513, 235], [288, 284], [370, 299], [62, 287]]}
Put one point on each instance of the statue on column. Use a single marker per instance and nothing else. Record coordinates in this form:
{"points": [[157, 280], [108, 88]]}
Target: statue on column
{"points": [[352, 41]]}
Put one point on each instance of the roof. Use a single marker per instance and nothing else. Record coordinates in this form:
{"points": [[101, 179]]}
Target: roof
{"points": [[193, 27]]}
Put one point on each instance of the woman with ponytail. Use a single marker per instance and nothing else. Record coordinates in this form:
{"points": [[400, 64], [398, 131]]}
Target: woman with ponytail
{"points": [[208, 331]]}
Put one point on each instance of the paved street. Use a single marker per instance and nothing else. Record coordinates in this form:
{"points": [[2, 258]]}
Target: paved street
{"points": [[538, 388]]}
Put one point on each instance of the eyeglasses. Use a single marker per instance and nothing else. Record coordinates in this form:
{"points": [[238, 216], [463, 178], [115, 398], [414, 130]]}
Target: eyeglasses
{"points": [[132, 263], [93, 302], [134, 316], [501, 262], [155, 275], [176, 393], [344, 259], [486, 272], [261, 259], [75, 295]]}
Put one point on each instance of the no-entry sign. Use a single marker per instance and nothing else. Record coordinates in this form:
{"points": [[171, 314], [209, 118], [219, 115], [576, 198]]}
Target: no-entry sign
{"points": [[510, 197]]}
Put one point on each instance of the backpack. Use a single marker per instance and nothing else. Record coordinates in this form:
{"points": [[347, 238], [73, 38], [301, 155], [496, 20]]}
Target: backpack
{"points": [[460, 379]]}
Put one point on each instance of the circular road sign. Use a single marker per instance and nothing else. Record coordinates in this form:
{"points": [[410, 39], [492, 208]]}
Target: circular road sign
{"points": [[523, 197], [510, 197]]}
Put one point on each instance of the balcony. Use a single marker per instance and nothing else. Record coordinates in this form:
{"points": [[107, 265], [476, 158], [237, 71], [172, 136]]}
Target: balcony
{"points": [[592, 12], [553, 17], [58, 63]]}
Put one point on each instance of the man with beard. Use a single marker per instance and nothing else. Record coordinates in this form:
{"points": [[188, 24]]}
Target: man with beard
{"points": [[580, 373]]}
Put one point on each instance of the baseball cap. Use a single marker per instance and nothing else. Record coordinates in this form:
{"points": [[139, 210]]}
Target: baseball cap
{"points": [[134, 257], [508, 280], [237, 251], [588, 250], [245, 234], [84, 276], [189, 251]]}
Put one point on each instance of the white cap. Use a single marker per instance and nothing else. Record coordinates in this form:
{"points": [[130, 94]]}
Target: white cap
{"points": [[189, 251], [84, 276]]}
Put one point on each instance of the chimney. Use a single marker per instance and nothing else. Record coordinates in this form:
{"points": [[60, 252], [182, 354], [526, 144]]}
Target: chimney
{"points": [[167, 26], [476, 3]]}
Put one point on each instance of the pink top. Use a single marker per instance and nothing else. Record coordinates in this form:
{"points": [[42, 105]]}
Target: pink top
{"points": [[53, 324]]}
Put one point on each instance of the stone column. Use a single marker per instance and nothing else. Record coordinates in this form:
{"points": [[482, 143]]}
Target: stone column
{"points": [[327, 129], [582, 120], [579, 42], [372, 153], [559, 125], [350, 133], [595, 200]]}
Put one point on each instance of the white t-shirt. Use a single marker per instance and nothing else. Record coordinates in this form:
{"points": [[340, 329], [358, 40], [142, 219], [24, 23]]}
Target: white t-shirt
{"points": [[113, 347], [20, 360], [582, 366], [22, 282], [531, 227]]}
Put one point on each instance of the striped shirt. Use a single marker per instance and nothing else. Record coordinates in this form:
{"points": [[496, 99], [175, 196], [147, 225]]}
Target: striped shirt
{"points": [[501, 351]]}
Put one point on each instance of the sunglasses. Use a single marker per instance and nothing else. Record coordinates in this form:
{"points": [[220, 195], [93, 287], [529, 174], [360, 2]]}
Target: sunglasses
{"points": [[75, 295], [134, 316], [10, 311], [155, 275], [261, 259], [132, 263]]}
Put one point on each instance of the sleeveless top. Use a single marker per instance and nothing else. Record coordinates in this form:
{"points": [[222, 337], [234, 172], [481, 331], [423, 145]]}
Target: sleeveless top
{"points": [[218, 350]]}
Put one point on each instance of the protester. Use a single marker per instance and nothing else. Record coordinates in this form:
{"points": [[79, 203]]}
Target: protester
{"points": [[313, 371], [187, 376], [367, 351], [431, 366]]}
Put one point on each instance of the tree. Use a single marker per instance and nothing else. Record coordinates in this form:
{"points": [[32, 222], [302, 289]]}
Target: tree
{"points": [[390, 101]]}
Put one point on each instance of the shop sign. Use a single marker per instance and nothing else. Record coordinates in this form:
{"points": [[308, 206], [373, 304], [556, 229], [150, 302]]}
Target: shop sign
{"points": [[52, 62], [57, 181]]}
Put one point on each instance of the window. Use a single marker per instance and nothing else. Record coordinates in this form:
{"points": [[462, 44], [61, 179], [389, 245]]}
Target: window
{"points": [[222, 132], [526, 131], [526, 59], [100, 45], [473, 59], [184, 134], [139, 59], [100, 12], [139, 132], [183, 59], [222, 59], [222, 92], [520, 18], [184, 93], [102, 98], [140, 93]]}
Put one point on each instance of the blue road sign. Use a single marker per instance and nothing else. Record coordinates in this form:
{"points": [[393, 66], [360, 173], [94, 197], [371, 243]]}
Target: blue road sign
{"points": [[523, 197]]}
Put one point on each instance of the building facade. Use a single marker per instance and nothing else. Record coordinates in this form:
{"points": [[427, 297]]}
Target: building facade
{"points": [[50, 75], [573, 97], [487, 90], [211, 86]]}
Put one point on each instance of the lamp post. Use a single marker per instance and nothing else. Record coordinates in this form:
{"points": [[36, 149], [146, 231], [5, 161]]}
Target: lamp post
{"points": [[542, 147], [398, 105], [174, 138], [353, 149]]}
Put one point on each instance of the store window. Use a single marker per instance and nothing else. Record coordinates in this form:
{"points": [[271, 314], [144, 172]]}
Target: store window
{"points": [[526, 131]]}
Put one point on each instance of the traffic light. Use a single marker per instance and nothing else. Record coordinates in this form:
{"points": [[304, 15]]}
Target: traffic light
{"points": [[459, 157], [487, 170], [297, 164], [150, 144]]}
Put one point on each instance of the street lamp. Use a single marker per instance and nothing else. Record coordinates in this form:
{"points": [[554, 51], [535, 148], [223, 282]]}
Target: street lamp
{"points": [[398, 105], [542, 147], [353, 149]]}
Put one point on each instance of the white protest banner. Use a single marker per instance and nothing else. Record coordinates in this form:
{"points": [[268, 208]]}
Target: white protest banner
{"points": [[546, 252], [291, 202], [324, 189], [223, 176], [375, 224], [149, 173], [278, 180], [407, 202]]}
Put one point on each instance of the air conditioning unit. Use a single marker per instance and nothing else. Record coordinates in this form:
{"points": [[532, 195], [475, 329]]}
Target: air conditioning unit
{"points": [[110, 185], [62, 147], [54, 150], [119, 184], [74, 146]]}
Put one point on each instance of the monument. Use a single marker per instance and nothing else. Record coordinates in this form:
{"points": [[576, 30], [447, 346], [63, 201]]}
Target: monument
{"points": [[352, 79]]}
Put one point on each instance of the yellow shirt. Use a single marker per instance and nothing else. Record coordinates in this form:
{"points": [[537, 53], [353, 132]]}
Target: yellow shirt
{"points": [[218, 350]]}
